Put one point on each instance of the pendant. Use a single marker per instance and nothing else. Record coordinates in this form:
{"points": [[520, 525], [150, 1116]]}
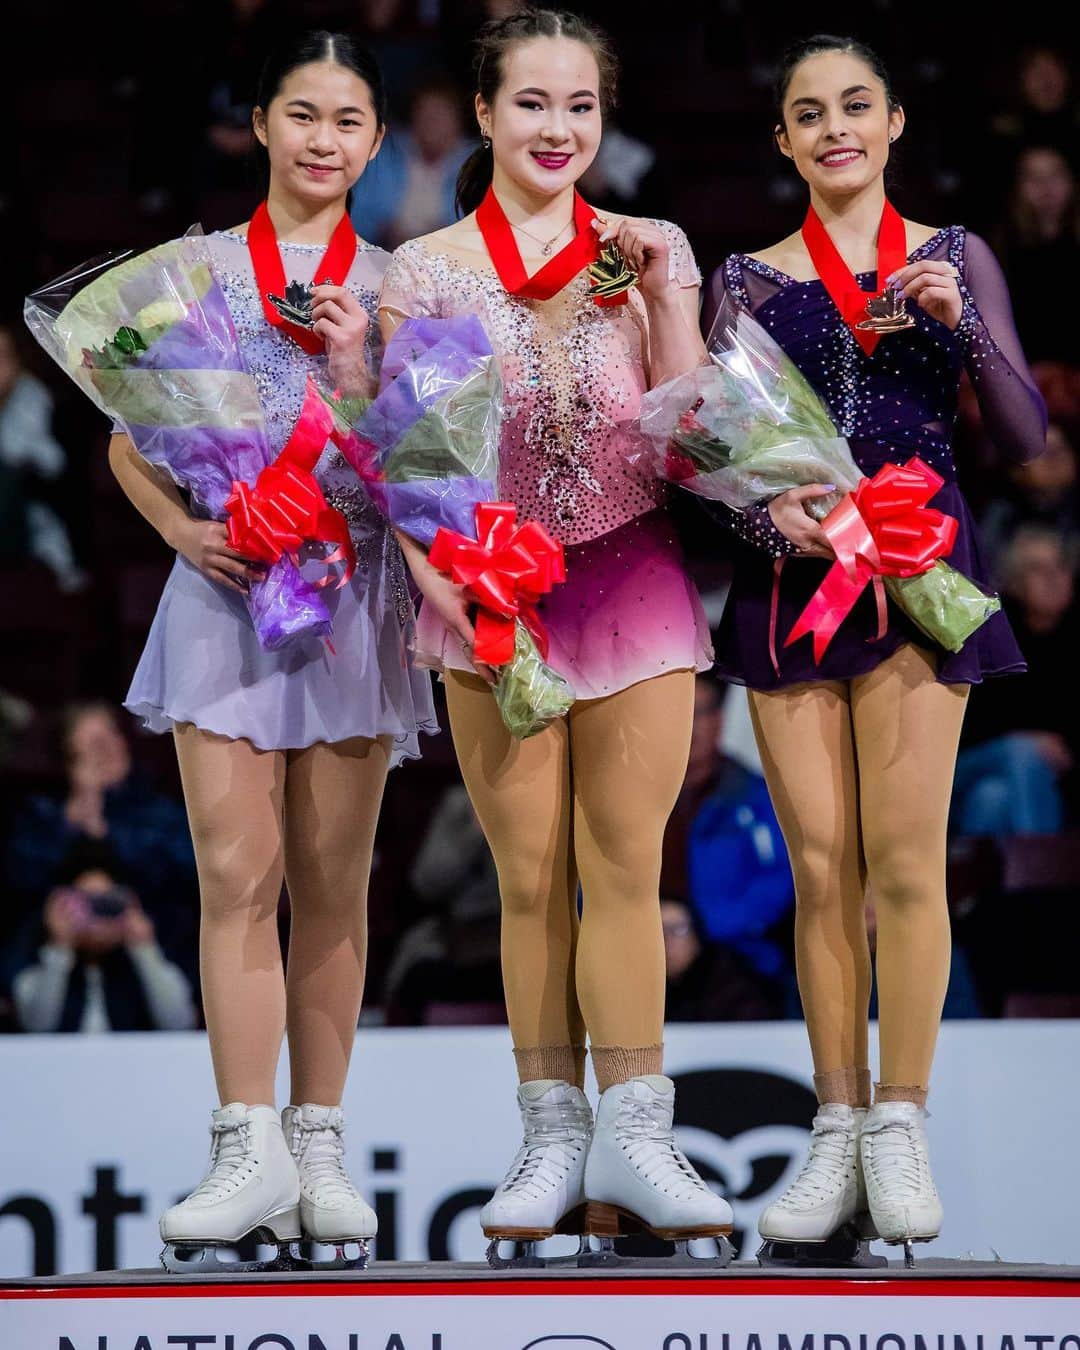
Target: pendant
{"points": [[885, 313], [546, 250], [611, 275], [295, 305]]}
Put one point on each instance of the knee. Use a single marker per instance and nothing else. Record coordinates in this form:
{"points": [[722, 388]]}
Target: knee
{"points": [[530, 882], [236, 881], [906, 872], [823, 877]]}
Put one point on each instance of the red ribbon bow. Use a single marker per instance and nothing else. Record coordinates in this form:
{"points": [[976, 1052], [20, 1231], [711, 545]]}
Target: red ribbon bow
{"points": [[883, 528], [286, 508], [506, 569]]}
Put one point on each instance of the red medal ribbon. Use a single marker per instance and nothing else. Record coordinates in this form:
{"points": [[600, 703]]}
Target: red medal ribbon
{"points": [[882, 529], [559, 271], [505, 569], [839, 280], [286, 508], [270, 270]]}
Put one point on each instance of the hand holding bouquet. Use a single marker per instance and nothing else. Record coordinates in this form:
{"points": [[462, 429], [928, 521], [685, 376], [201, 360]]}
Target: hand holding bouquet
{"points": [[150, 340], [747, 426], [428, 448]]}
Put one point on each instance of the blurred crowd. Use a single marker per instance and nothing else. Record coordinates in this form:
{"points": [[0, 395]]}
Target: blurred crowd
{"points": [[99, 928]]}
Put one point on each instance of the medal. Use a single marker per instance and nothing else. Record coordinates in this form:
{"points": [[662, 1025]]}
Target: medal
{"points": [[288, 306], [611, 275], [869, 316], [582, 251]]}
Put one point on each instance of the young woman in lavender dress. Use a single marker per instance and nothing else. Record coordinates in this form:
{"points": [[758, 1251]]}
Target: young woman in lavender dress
{"points": [[284, 754], [587, 798], [859, 748]]}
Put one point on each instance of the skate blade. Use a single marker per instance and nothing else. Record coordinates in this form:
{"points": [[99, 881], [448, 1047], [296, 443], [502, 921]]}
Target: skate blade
{"points": [[604, 1223], [313, 1254], [848, 1247], [208, 1258], [522, 1255]]}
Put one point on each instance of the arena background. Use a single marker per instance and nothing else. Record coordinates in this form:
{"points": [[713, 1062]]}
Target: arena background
{"points": [[123, 130]]}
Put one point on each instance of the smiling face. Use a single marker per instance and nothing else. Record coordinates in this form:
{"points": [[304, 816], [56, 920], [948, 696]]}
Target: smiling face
{"points": [[320, 131], [544, 121], [837, 123]]}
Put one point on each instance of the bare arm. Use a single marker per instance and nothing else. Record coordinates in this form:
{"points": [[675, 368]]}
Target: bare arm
{"points": [[157, 499]]}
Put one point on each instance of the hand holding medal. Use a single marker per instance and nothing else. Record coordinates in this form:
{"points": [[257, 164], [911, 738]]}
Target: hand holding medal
{"points": [[641, 258], [935, 288]]}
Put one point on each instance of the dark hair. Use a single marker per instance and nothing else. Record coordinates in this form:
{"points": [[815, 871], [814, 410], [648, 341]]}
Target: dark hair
{"points": [[798, 52], [312, 48], [494, 40]]}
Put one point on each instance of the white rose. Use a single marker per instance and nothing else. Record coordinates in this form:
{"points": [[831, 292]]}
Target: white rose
{"points": [[159, 314]]}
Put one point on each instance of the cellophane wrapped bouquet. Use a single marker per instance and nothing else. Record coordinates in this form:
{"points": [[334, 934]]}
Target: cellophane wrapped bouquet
{"points": [[747, 426], [428, 449], [150, 340]]}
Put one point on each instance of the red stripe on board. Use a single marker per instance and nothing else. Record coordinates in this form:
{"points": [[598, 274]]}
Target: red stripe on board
{"points": [[696, 1288]]}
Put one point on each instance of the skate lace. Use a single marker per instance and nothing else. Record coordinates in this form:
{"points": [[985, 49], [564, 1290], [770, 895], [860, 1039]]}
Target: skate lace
{"points": [[555, 1138], [230, 1160], [894, 1159], [825, 1166], [644, 1132], [323, 1163]]}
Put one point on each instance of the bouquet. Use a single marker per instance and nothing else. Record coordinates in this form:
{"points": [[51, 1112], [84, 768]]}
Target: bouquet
{"points": [[747, 426], [427, 447], [150, 340]]}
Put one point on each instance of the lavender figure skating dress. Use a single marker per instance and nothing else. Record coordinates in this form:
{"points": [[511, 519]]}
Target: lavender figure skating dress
{"points": [[899, 402], [574, 374], [203, 662]]}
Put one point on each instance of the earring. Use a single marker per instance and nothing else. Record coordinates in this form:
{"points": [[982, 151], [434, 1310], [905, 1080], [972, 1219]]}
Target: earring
{"points": [[485, 141]]}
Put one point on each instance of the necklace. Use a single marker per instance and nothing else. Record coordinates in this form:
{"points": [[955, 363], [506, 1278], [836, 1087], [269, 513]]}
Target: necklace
{"points": [[545, 247]]}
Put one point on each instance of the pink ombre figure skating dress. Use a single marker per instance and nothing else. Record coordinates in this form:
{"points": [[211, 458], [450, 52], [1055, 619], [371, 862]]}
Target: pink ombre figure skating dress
{"points": [[574, 373]]}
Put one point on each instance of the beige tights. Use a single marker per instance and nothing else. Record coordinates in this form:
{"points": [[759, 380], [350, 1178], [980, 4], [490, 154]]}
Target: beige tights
{"points": [[588, 798], [257, 817], [860, 775]]}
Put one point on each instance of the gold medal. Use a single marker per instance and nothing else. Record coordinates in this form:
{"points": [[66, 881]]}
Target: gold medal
{"points": [[610, 274]]}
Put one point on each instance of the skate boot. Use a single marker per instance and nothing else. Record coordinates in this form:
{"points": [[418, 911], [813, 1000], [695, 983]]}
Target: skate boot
{"points": [[821, 1219], [543, 1192], [638, 1181], [332, 1212], [902, 1197], [250, 1191]]}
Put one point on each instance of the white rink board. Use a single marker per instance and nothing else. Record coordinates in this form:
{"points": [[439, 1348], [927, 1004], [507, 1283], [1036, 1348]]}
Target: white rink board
{"points": [[783, 1319], [99, 1134]]}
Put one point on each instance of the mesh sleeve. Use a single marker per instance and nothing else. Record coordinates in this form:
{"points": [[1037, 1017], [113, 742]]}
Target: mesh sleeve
{"points": [[408, 287], [1012, 408]]}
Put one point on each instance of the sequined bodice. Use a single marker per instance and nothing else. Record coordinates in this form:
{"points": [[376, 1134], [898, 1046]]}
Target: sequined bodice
{"points": [[573, 372], [280, 368], [903, 398]]}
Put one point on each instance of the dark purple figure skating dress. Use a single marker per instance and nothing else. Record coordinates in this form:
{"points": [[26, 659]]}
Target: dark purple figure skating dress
{"points": [[899, 402]]}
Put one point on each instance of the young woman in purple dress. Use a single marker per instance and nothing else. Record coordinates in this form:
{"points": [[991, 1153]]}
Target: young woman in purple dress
{"points": [[284, 754], [859, 748]]}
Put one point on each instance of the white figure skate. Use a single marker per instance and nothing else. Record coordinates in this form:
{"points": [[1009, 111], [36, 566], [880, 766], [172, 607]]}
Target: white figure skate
{"points": [[251, 1191], [543, 1192], [638, 1181], [900, 1191], [332, 1211], [821, 1219]]}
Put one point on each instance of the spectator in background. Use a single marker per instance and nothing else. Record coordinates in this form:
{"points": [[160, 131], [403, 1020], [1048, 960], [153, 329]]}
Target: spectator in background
{"points": [[723, 848], [90, 960], [409, 189], [707, 982], [1017, 766], [1044, 109], [107, 803], [1040, 240], [30, 456], [452, 954], [1041, 492]]}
